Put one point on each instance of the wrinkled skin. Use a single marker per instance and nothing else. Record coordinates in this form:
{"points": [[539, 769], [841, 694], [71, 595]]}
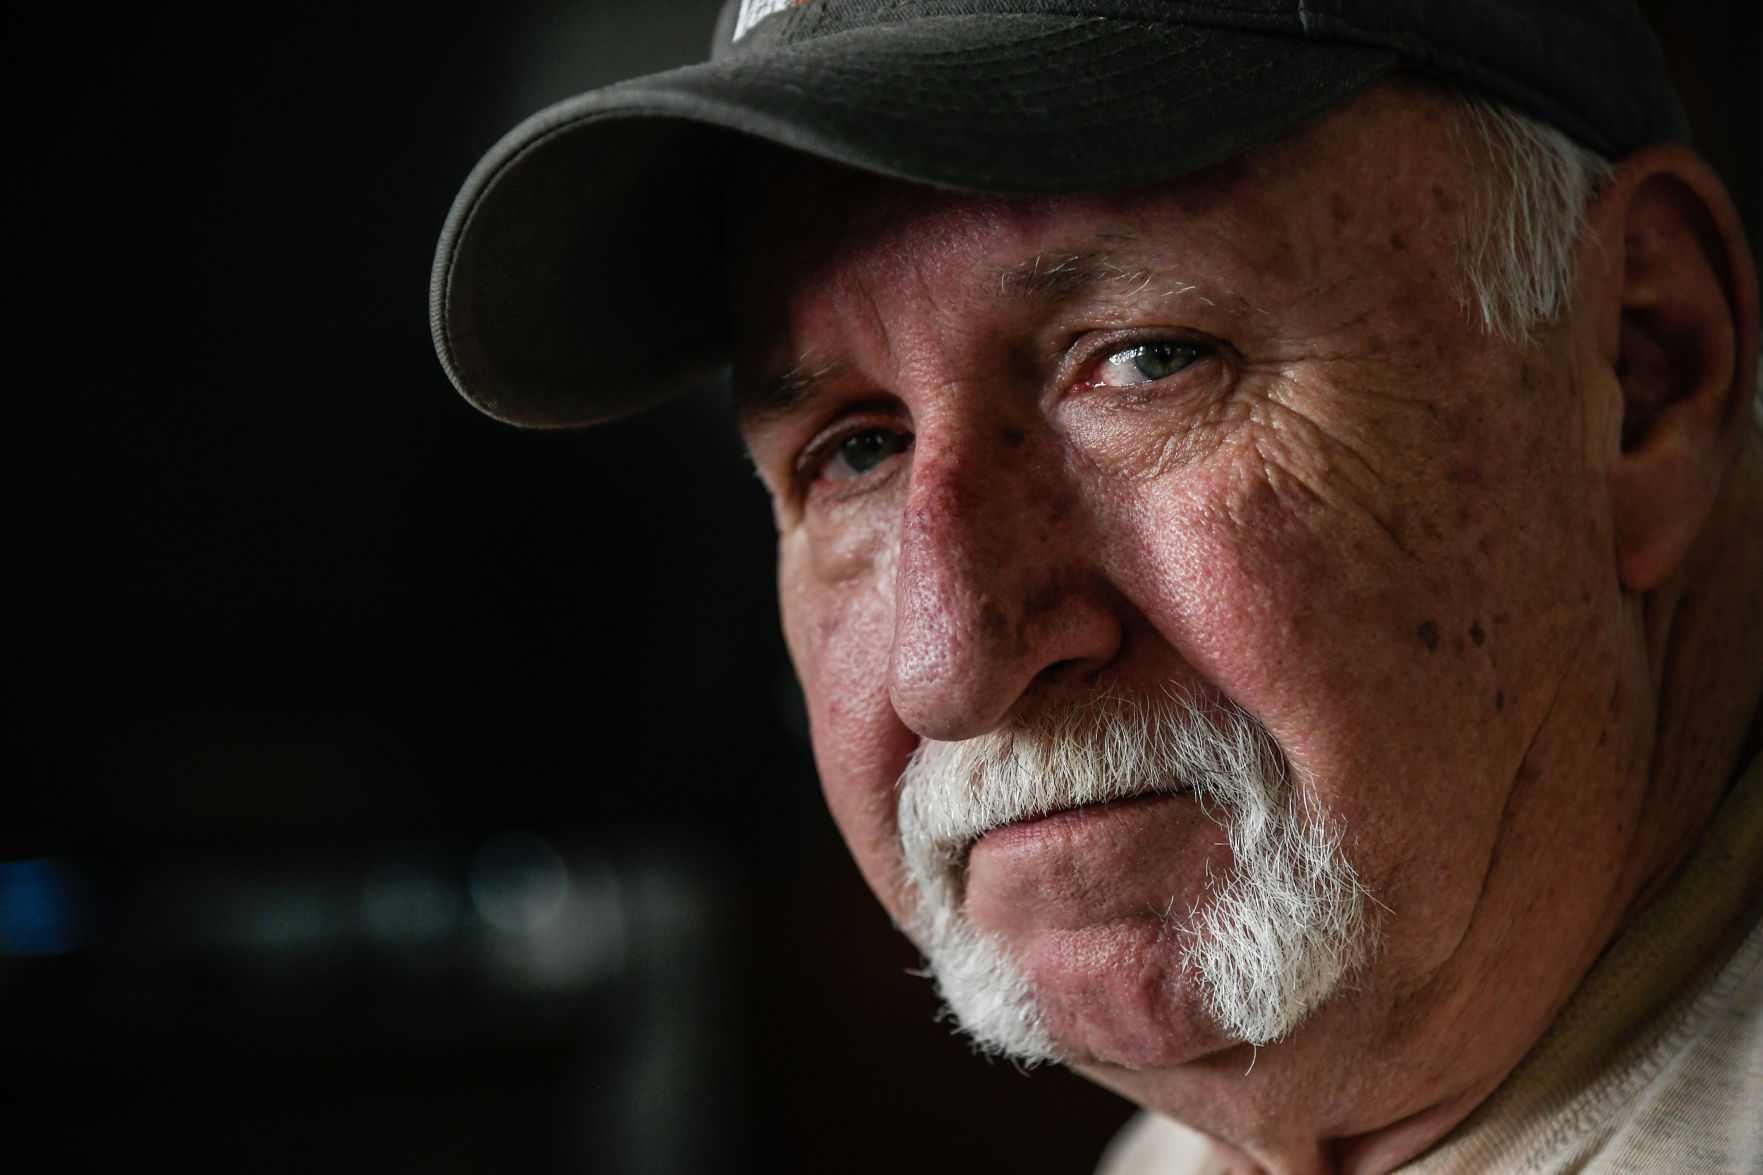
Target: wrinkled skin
{"points": [[1406, 548]]}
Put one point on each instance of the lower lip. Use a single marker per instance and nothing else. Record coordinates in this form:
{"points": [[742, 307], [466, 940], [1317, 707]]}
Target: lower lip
{"points": [[1073, 821]]}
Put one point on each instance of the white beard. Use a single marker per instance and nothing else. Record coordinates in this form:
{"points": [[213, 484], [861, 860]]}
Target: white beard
{"points": [[1269, 942]]}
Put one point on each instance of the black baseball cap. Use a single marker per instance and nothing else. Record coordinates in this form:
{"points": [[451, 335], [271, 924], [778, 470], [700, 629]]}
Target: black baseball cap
{"points": [[579, 274]]}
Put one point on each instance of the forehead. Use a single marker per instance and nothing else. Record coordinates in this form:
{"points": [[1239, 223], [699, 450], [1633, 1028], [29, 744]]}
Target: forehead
{"points": [[1385, 169]]}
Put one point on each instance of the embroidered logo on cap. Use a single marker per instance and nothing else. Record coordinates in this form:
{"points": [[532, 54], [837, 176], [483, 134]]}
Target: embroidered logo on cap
{"points": [[754, 11]]}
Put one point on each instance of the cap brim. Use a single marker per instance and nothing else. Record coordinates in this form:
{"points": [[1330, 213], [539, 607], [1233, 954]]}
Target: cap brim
{"points": [[579, 275]]}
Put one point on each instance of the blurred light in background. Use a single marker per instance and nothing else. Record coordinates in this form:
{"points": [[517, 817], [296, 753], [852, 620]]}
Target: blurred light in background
{"points": [[570, 984], [285, 915], [518, 882], [409, 897], [43, 908]]}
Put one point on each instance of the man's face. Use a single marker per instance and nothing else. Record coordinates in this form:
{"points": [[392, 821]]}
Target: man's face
{"points": [[1231, 439]]}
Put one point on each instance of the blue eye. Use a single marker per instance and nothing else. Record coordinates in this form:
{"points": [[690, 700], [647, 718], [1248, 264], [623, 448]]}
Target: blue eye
{"points": [[1145, 363], [862, 451]]}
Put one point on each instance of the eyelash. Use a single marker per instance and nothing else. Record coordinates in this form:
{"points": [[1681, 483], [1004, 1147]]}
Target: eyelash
{"points": [[825, 446], [1083, 370]]}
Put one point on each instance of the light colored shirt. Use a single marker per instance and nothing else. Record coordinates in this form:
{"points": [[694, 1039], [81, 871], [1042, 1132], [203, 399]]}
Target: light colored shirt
{"points": [[1654, 1065]]}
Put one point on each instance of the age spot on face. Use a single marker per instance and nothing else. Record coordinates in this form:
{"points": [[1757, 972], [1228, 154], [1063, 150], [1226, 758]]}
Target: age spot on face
{"points": [[992, 620], [1429, 636], [1475, 632]]}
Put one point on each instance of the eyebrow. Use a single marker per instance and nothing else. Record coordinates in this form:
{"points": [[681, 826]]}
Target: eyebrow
{"points": [[779, 395], [1049, 277]]}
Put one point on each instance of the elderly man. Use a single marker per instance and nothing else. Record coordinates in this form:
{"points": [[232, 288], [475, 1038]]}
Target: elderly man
{"points": [[1270, 521]]}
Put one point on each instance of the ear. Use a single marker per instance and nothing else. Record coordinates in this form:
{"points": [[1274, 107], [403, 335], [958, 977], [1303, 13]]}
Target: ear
{"points": [[1685, 345]]}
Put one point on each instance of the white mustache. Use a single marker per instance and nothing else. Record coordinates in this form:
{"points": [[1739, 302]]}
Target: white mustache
{"points": [[1109, 747], [1270, 940]]}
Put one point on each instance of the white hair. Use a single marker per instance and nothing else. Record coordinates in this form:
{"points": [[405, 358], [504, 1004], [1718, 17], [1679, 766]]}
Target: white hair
{"points": [[1524, 216], [1524, 220], [1267, 943]]}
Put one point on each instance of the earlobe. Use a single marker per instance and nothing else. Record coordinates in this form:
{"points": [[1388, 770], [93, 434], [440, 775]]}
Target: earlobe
{"points": [[1686, 357]]}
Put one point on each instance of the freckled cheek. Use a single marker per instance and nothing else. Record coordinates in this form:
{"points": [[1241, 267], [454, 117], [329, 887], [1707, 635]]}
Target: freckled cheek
{"points": [[836, 589], [840, 632], [1283, 602], [1255, 609], [1264, 596], [1238, 594]]}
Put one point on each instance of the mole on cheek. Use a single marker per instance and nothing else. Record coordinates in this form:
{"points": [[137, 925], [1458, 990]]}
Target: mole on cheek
{"points": [[1429, 636]]}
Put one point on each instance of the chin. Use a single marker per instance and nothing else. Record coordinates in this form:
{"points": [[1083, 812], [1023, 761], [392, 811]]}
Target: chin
{"points": [[1123, 997], [1118, 993]]}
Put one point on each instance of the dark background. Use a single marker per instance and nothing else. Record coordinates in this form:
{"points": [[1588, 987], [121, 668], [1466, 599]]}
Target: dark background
{"points": [[393, 790]]}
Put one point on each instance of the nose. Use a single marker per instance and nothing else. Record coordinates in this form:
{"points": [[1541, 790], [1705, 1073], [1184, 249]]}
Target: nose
{"points": [[997, 592]]}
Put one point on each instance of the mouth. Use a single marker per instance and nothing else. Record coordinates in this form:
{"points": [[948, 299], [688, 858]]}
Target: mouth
{"points": [[1120, 863], [1067, 822]]}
